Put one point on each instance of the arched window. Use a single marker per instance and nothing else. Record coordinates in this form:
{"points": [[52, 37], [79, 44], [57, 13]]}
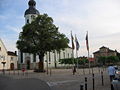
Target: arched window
{"points": [[64, 55]]}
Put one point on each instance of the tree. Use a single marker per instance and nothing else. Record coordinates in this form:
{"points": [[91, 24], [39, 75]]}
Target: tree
{"points": [[112, 59], [102, 60], [41, 36], [108, 59], [82, 61]]}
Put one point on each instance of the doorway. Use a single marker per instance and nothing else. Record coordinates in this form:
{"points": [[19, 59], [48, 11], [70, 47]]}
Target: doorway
{"points": [[12, 66], [28, 64]]}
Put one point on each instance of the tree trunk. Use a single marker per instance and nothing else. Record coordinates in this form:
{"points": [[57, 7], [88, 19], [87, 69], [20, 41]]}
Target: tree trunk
{"points": [[55, 59], [41, 63]]}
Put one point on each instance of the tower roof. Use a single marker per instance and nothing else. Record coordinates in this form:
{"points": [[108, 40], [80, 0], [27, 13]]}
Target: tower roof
{"points": [[31, 9], [32, 3]]}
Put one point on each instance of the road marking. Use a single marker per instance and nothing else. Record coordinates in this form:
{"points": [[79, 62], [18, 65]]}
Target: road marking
{"points": [[60, 82]]}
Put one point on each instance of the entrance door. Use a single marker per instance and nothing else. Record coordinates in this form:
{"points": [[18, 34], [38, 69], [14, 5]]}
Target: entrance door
{"points": [[12, 66], [28, 64]]}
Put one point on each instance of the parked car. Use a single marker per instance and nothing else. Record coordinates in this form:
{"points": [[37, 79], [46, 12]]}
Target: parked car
{"points": [[116, 84], [117, 73], [116, 81], [116, 67]]}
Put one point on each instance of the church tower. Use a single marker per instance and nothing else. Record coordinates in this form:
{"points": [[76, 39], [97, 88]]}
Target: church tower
{"points": [[26, 58], [31, 12]]}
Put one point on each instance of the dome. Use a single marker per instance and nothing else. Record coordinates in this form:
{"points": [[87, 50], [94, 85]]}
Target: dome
{"points": [[32, 9], [31, 3]]}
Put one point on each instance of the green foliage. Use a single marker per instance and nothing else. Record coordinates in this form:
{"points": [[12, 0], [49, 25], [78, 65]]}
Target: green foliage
{"points": [[108, 59], [41, 36], [83, 61], [112, 59], [66, 61], [102, 60], [73, 61]]}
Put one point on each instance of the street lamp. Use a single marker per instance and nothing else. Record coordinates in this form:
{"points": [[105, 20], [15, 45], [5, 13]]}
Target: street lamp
{"points": [[3, 66]]}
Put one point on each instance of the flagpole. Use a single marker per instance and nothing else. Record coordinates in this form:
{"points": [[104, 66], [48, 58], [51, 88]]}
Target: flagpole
{"points": [[89, 61], [77, 57], [76, 50], [72, 48], [73, 56], [87, 44]]}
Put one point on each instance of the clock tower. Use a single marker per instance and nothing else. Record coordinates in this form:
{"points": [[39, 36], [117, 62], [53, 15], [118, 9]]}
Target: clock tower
{"points": [[31, 12]]}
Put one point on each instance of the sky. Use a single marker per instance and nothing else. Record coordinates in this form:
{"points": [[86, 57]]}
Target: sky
{"points": [[101, 18]]}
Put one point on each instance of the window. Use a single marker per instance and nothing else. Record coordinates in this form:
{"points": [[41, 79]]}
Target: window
{"points": [[68, 55], [27, 21], [64, 54], [34, 57], [11, 58]]}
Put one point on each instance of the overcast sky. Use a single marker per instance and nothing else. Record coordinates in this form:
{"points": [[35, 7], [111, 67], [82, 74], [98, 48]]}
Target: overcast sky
{"points": [[101, 18]]}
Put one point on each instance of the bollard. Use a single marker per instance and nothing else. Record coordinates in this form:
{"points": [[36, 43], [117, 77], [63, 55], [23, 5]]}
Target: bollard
{"points": [[83, 71], [50, 71], [99, 69], [102, 78], [93, 82], [89, 71], [18, 72], [81, 87], [92, 70], [112, 88], [85, 83]]}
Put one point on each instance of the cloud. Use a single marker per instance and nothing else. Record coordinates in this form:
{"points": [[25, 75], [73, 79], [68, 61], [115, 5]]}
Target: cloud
{"points": [[2, 17], [101, 17], [14, 29], [10, 45]]}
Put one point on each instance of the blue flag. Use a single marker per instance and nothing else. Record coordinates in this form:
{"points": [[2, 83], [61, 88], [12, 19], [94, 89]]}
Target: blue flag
{"points": [[77, 43]]}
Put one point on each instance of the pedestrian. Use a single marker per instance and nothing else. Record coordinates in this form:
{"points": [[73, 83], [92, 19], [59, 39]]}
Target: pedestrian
{"points": [[74, 70], [111, 72]]}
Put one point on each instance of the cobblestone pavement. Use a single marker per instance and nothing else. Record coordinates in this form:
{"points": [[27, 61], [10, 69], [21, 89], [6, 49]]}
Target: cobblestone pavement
{"points": [[63, 79]]}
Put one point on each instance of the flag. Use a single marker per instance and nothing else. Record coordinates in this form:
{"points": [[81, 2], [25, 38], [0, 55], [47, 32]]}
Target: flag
{"points": [[77, 43], [72, 39], [87, 44]]}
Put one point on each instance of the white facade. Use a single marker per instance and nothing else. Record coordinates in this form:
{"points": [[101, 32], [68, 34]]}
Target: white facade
{"points": [[49, 59], [55, 57], [29, 18], [9, 60]]}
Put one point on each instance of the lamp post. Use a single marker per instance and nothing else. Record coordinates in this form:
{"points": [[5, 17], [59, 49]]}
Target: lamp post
{"points": [[3, 67]]}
